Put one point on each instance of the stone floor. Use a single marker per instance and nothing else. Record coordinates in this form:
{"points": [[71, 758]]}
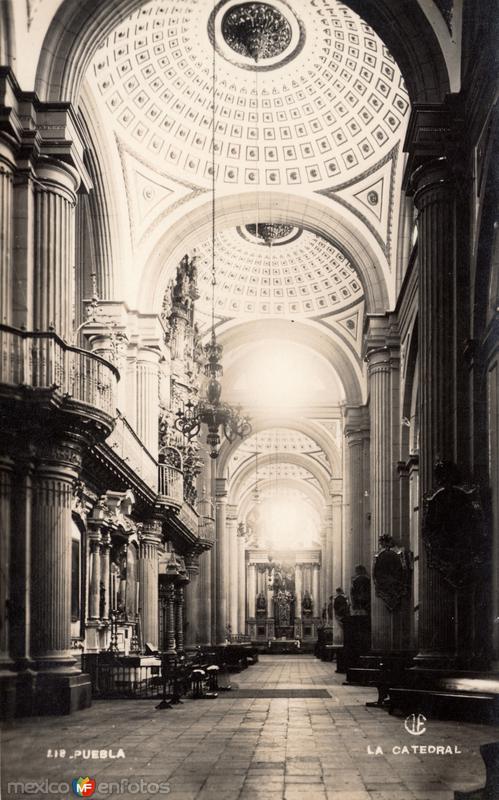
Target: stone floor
{"points": [[248, 747]]}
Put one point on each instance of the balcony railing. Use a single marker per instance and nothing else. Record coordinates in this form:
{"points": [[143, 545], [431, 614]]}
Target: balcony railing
{"points": [[41, 360], [126, 444], [170, 484]]}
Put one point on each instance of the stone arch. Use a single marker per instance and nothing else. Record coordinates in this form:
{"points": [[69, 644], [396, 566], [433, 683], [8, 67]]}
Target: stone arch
{"points": [[311, 334], [312, 493], [297, 459], [78, 28], [318, 214], [306, 426]]}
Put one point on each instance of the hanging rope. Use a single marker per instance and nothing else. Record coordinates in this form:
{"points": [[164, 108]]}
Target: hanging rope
{"points": [[213, 198]]}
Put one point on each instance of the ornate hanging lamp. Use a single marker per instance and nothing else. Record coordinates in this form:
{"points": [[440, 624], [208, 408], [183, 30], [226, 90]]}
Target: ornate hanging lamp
{"points": [[220, 418]]}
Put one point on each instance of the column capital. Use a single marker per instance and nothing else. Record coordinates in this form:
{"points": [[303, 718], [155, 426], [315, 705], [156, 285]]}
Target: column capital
{"points": [[192, 565], [151, 532], [232, 511], [437, 174], [356, 422], [221, 489]]}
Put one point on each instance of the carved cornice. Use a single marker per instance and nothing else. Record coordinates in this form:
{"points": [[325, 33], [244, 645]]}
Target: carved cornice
{"points": [[434, 131]]}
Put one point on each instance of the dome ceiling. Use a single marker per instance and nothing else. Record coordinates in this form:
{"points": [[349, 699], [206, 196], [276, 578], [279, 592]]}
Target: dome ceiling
{"points": [[300, 274], [322, 105], [276, 440]]}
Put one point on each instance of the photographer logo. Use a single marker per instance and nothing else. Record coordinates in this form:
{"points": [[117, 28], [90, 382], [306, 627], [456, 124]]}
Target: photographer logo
{"points": [[415, 724], [83, 787]]}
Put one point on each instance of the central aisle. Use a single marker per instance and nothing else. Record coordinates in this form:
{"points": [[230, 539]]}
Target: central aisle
{"points": [[236, 748]]}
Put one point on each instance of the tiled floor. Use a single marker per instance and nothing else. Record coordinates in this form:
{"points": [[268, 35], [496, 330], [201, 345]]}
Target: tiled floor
{"points": [[228, 748]]}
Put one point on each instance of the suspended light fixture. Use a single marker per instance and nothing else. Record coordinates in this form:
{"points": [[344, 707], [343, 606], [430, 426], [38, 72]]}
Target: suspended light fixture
{"points": [[220, 418]]}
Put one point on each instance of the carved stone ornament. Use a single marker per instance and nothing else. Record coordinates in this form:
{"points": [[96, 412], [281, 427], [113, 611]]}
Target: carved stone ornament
{"points": [[453, 528], [391, 573]]}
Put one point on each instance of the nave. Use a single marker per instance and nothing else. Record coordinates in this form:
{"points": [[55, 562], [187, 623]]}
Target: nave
{"points": [[264, 748]]}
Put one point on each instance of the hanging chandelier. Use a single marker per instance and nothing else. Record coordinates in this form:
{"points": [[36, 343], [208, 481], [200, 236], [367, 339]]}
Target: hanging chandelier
{"points": [[220, 418]]}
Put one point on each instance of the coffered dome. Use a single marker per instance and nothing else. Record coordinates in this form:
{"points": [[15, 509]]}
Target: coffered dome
{"points": [[324, 102], [300, 274]]}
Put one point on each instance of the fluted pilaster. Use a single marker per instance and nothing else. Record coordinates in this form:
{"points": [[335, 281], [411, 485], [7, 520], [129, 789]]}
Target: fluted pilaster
{"points": [[205, 594], [382, 368], [251, 591], [336, 564], [105, 561], [222, 561], [357, 545], [6, 233], [298, 590], [6, 476], [241, 583], [53, 286], [148, 398], [435, 199], [95, 574], [150, 540], [191, 602], [233, 568], [56, 470]]}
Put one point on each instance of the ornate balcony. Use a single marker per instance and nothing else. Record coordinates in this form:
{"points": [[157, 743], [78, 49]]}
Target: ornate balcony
{"points": [[128, 447], [170, 486], [39, 366]]}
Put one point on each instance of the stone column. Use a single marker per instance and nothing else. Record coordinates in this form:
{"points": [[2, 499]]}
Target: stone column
{"points": [[54, 248], [241, 583], [148, 562], [6, 232], [231, 522], [337, 565], [382, 370], [439, 405], [179, 616], [105, 563], [251, 591], [94, 544], [298, 591], [315, 590], [6, 475], [204, 594], [191, 602], [59, 684], [20, 600], [357, 545], [7, 677], [222, 561], [148, 398]]}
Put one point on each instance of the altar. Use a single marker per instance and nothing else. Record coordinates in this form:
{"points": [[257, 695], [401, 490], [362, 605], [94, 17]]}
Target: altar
{"points": [[283, 595]]}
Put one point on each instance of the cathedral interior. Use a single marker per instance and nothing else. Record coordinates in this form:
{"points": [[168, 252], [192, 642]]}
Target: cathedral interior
{"points": [[249, 376]]}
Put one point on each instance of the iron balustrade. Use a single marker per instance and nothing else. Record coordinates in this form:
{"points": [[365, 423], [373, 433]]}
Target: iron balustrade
{"points": [[170, 483], [41, 360]]}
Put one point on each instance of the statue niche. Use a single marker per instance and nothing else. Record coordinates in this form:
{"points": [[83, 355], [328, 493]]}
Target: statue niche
{"points": [[307, 605], [261, 605]]}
